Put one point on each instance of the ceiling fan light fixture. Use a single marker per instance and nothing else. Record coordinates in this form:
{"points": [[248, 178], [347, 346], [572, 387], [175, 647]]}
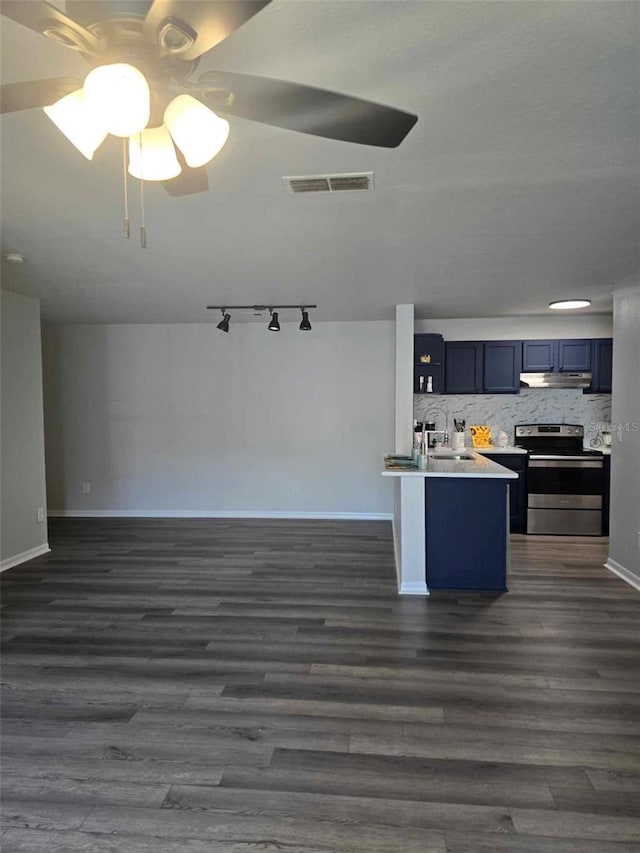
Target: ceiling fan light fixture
{"points": [[152, 156], [176, 36], [74, 117], [119, 94], [197, 131]]}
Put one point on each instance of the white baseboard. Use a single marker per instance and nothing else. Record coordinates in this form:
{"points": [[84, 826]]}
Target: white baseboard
{"points": [[413, 588], [625, 574], [38, 551], [200, 513], [396, 550]]}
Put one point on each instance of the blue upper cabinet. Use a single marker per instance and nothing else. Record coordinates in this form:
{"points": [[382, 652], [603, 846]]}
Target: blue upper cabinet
{"points": [[502, 367], [463, 367], [568, 356], [574, 356], [539, 356], [601, 365], [494, 367], [428, 363]]}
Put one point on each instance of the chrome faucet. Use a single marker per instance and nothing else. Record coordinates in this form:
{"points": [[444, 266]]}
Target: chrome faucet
{"points": [[445, 431], [430, 441]]}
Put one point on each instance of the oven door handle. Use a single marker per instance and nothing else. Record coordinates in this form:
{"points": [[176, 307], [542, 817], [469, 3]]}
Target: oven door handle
{"points": [[554, 462]]}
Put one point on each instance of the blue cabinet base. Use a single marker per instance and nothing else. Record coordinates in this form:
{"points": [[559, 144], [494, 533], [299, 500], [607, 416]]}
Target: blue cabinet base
{"points": [[467, 543]]}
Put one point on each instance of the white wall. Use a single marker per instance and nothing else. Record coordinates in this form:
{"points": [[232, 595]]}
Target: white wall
{"points": [[184, 418], [514, 328], [624, 541], [22, 436]]}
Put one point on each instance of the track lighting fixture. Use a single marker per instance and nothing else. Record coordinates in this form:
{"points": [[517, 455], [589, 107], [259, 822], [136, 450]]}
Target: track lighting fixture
{"points": [[223, 325], [274, 322], [305, 325], [274, 325]]}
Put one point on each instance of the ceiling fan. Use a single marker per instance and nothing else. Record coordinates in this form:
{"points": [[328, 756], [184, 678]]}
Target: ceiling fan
{"points": [[141, 86]]}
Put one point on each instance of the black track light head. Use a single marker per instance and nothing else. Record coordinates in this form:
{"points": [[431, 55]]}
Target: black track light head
{"points": [[223, 325], [274, 325], [256, 310], [305, 325]]}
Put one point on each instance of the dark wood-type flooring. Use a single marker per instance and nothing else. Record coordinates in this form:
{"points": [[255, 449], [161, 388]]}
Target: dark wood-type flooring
{"points": [[214, 686]]}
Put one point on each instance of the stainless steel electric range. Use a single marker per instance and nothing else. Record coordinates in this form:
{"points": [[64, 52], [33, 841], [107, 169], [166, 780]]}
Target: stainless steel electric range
{"points": [[565, 482]]}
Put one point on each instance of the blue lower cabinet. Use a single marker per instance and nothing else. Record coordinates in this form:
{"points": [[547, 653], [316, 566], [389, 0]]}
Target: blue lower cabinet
{"points": [[466, 533], [517, 489]]}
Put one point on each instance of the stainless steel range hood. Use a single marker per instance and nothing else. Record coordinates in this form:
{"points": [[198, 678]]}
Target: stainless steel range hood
{"points": [[555, 380]]}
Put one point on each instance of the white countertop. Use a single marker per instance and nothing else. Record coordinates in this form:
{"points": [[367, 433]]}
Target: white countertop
{"points": [[606, 451], [496, 450], [478, 466]]}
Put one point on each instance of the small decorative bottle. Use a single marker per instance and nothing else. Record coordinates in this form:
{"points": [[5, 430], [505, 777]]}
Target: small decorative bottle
{"points": [[429, 385]]}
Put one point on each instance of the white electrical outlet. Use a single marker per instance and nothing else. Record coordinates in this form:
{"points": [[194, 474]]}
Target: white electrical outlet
{"points": [[40, 515], [86, 488]]}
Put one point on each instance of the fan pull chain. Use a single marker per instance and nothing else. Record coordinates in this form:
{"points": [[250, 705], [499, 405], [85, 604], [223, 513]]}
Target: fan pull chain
{"points": [[127, 228], [143, 230]]}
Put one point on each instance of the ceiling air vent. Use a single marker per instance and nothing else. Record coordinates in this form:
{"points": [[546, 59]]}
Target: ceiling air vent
{"points": [[329, 183]]}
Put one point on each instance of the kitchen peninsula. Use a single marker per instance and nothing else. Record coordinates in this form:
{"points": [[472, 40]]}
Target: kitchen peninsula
{"points": [[451, 523]]}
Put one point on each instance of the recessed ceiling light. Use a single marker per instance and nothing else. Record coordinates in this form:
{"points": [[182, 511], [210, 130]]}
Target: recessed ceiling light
{"points": [[566, 304], [14, 258]]}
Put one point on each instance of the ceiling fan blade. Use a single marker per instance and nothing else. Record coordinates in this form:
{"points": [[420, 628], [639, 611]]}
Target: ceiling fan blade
{"points": [[307, 109], [189, 181], [35, 93], [45, 18], [208, 21]]}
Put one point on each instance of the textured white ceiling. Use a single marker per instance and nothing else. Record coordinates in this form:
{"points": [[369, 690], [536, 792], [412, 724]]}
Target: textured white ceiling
{"points": [[518, 185]]}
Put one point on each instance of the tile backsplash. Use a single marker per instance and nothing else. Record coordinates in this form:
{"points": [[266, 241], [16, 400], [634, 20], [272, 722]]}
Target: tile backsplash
{"points": [[504, 411]]}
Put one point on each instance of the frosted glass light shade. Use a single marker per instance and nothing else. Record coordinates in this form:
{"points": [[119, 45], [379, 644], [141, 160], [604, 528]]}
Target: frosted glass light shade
{"points": [[73, 116], [197, 131], [152, 156], [567, 304], [119, 94]]}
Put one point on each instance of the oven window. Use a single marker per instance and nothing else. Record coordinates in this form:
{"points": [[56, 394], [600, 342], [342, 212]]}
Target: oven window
{"points": [[564, 480]]}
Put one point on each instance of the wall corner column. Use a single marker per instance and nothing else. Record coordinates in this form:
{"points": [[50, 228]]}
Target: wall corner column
{"points": [[404, 379]]}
